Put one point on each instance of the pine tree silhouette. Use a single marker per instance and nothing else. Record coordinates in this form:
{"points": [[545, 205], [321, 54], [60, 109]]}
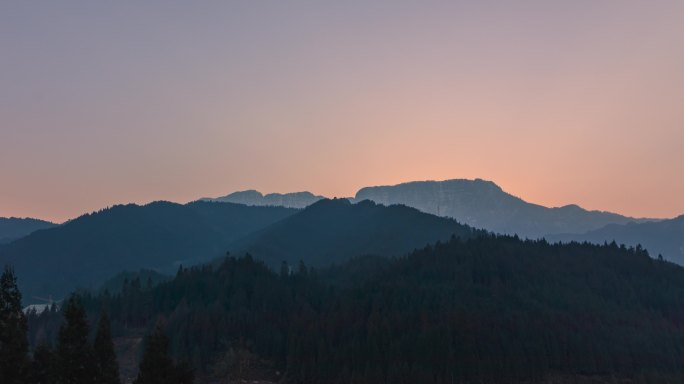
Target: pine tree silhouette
{"points": [[107, 368], [74, 354], [13, 329], [157, 367], [43, 365]]}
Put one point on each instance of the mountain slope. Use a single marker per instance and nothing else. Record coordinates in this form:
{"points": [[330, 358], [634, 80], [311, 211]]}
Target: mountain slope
{"points": [[142, 279], [492, 309], [86, 251], [483, 204], [252, 197], [331, 231], [664, 237], [13, 228]]}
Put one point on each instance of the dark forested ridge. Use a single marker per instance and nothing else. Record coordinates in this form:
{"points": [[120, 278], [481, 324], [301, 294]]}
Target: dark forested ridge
{"points": [[13, 228], [160, 236], [331, 294], [92, 248], [483, 204], [147, 278], [665, 237], [478, 203], [491, 309], [332, 231]]}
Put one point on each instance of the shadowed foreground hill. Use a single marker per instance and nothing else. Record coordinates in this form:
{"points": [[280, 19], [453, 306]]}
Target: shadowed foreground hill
{"points": [[92, 248], [332, 231], [483, 204], [664, 237], [491, 309], [14, 228]]}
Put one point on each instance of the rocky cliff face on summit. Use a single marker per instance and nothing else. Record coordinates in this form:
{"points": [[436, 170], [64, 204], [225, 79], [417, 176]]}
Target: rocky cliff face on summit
{"points": [[483, 204]]}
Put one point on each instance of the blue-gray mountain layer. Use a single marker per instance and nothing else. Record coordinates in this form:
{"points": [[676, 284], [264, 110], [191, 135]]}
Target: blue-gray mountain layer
{"points": [[664, 237], [483, 204], [252, 197], [84, 252], [14, 228]]}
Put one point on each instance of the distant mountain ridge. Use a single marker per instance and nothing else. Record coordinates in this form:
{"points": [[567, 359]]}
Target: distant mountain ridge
{"points": [[384, 221], [478, 203], [86, 251], [483, 204], [664, 237], [256, 198], [13, 228], [333, 231], [160, 236]]}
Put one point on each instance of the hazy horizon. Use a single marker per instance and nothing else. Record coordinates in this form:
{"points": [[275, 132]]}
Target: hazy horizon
{"points": [[351, 195], [558, 103]]}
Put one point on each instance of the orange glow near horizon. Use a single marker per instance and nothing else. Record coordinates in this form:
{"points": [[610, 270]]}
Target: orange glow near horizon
{"points": [[558, 104]]}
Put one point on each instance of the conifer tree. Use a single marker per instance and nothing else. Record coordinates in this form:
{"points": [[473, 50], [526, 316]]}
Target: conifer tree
{"points": [[13, 329], [157, 367], [42, 369], [107, 368], [74, 362]]}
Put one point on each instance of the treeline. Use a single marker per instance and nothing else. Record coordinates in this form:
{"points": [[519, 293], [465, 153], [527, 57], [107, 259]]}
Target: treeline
{"points": [[487, 309], [75, 359]]}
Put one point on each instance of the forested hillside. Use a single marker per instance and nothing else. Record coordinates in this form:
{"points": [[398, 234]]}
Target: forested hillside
{"points": [[489, 309], [13, 228], [84, 252], [332, 231], [665, 237]]}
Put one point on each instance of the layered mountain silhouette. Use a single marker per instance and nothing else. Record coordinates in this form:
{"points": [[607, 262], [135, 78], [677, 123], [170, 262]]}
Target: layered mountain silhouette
{"points": [[478, 203], [14, 228], [252, 197], [664, 237], [332, 231], [84, 252], [160, 236], [483, 204]]}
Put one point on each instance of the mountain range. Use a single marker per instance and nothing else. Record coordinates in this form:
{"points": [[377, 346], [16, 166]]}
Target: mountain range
{"points": [[13, 228], [381, 221], [359, 284], [483, 204], [252, 197], [332, 231], [665, 237], [84, 252], [477, 203], [161, 236]]}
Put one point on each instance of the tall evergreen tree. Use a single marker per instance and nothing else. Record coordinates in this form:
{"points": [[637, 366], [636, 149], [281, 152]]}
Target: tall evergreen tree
{"points": [[74, 356], [157, 367], [107, 368], [13, 329], [42, 369]]}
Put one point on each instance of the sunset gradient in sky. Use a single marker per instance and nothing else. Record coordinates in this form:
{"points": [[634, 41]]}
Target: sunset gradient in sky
{"points": [[557, 101]]}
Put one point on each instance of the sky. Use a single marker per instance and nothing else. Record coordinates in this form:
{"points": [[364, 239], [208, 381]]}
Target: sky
{"points": [[558, 102]]}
